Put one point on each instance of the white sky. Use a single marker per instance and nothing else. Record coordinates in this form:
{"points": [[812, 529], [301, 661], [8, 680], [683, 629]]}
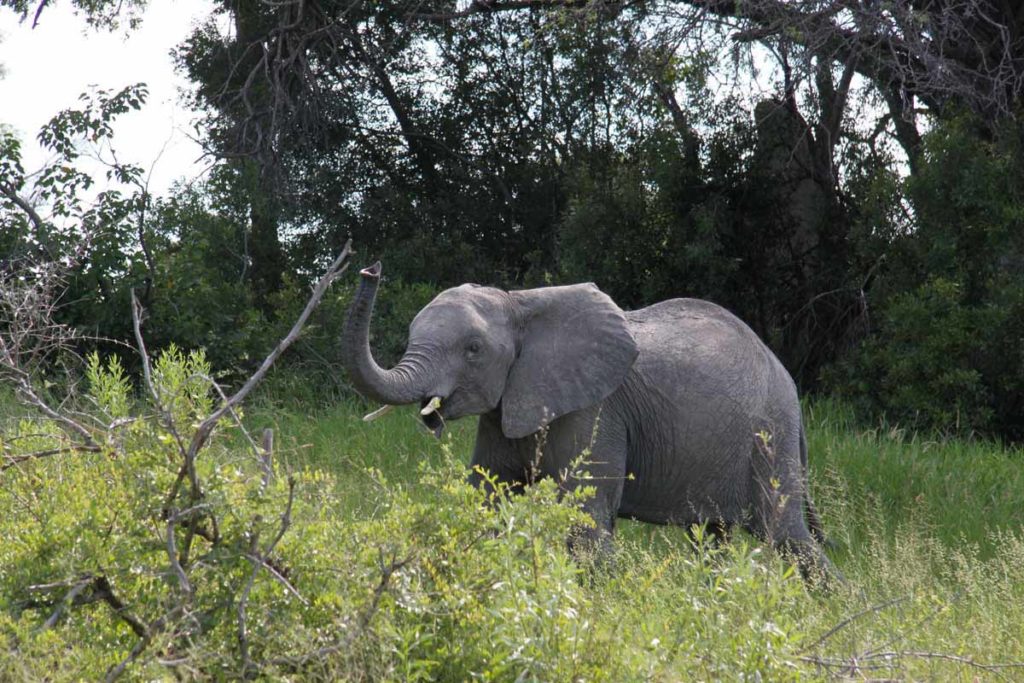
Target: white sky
{"points": [[46, 68]]}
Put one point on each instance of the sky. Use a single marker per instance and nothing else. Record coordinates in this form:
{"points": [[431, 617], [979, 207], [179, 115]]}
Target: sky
{"points": [[46, 68]]}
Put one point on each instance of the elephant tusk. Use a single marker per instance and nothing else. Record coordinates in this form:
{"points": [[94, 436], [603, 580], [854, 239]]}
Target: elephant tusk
{"points": [[434, 404], [383, 410]]}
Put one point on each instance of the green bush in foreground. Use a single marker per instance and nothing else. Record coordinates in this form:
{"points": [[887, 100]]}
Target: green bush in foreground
{"points": [[420, 579]]}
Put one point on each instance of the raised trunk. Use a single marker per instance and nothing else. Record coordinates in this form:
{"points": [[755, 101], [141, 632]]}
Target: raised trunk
{"points": [[406, 382]]}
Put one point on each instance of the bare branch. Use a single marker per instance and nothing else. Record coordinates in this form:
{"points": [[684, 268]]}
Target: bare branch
{"points": [[852, 618], [387, 571], [203, 431], [85, 590], [154, 628], [12, 460]]}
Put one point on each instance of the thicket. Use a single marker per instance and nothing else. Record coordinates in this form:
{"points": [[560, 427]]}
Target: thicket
{"points": [[363, 557]]}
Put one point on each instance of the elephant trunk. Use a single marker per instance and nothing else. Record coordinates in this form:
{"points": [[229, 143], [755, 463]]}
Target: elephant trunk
{"points": [[406, 382]]}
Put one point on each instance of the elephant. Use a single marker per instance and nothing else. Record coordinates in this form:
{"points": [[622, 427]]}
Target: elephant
{"points": [[687, 416]]}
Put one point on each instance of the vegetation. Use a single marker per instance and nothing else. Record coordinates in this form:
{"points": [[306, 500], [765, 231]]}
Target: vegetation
{"points": [[847, 177], [390, 568]]}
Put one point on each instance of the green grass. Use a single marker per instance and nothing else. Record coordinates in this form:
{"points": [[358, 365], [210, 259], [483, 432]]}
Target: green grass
{"points": [[927, 532], [864, 481], [932, 526]]}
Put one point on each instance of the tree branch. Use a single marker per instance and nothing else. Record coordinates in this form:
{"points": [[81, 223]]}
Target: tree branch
{"points": [[203, 431]]}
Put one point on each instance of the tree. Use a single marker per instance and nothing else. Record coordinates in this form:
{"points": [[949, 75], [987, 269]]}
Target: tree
{"points": [[99, 14]]}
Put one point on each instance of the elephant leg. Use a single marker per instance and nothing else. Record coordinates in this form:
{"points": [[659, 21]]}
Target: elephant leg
{"points": [[497, 456], [604, 470], [781, 502]]}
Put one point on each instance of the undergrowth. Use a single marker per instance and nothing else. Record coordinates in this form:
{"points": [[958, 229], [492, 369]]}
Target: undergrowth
{"points": [[392, 569]]}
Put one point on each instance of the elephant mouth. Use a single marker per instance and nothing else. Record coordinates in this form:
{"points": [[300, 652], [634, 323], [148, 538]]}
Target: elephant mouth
{"points": [[432, 418]]}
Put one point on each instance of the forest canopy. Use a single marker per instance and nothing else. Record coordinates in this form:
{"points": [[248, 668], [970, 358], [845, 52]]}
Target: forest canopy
{"points": [[845, 176]]}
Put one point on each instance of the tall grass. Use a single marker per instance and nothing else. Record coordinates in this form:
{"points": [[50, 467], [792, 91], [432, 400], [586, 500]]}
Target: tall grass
{"points": [[926, 530]]}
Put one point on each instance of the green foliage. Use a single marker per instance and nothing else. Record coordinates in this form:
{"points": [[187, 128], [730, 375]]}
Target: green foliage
{"points": [[945, 351], [926, 358], [645, 227], [99, 14], [396, 570]]}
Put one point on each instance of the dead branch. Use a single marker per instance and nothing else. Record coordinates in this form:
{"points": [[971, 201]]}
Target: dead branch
{"points": [[154, 628], [206, 427], [28, 336], [165, 415], [84, 590], [852, 618], [859, 664], [258, 559], [12, 460]]}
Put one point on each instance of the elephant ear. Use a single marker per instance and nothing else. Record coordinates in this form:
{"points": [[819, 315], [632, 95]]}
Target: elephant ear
{"points": [[575, 350]]}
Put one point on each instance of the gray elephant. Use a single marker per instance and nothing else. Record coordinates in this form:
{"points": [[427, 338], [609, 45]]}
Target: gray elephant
{"points": [[688, 417]]}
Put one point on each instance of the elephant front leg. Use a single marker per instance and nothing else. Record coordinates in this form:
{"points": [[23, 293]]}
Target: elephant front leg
{"points": [[597, 463], [496, 458]]}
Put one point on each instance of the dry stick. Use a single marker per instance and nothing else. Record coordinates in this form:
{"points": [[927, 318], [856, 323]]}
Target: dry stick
{"points": [[969, 661], [203, 432], [850, 619], [263, 452], [120, 609], [387, 571], [243, 602], [25, 388], [100, 591], [69, 598], [855, 665], [155, 627], [13, 460], [188, 464], [165, 415], [258, 560], [266, 458], [172, 556]]}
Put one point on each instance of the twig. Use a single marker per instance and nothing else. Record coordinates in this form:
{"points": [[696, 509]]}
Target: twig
{"points": [[172, 556], [387, 571], [68, 599], [100, 590], [267, 458], [850, 619], [860, 663], [12, 460], [165, 415], [258, 560], [155, 627], [968, 661]]}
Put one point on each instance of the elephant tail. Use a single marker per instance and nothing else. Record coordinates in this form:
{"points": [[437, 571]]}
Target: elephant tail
{"points": [[810, 512]]}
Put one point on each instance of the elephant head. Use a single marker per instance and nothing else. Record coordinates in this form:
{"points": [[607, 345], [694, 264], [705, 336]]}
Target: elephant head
{"points": [[538, 353]]}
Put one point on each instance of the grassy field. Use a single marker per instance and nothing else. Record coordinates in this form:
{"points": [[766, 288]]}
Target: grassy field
{"points": [[927, 532]]}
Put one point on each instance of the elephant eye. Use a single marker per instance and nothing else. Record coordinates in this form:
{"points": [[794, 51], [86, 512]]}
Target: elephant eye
{"points": [[474, 346]]}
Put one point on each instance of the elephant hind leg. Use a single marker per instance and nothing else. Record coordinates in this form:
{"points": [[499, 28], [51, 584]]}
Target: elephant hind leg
{"points": [[783, 511]]}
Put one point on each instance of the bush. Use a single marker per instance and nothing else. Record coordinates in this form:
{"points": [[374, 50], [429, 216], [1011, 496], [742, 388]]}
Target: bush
{"points": [[95, 562]]}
